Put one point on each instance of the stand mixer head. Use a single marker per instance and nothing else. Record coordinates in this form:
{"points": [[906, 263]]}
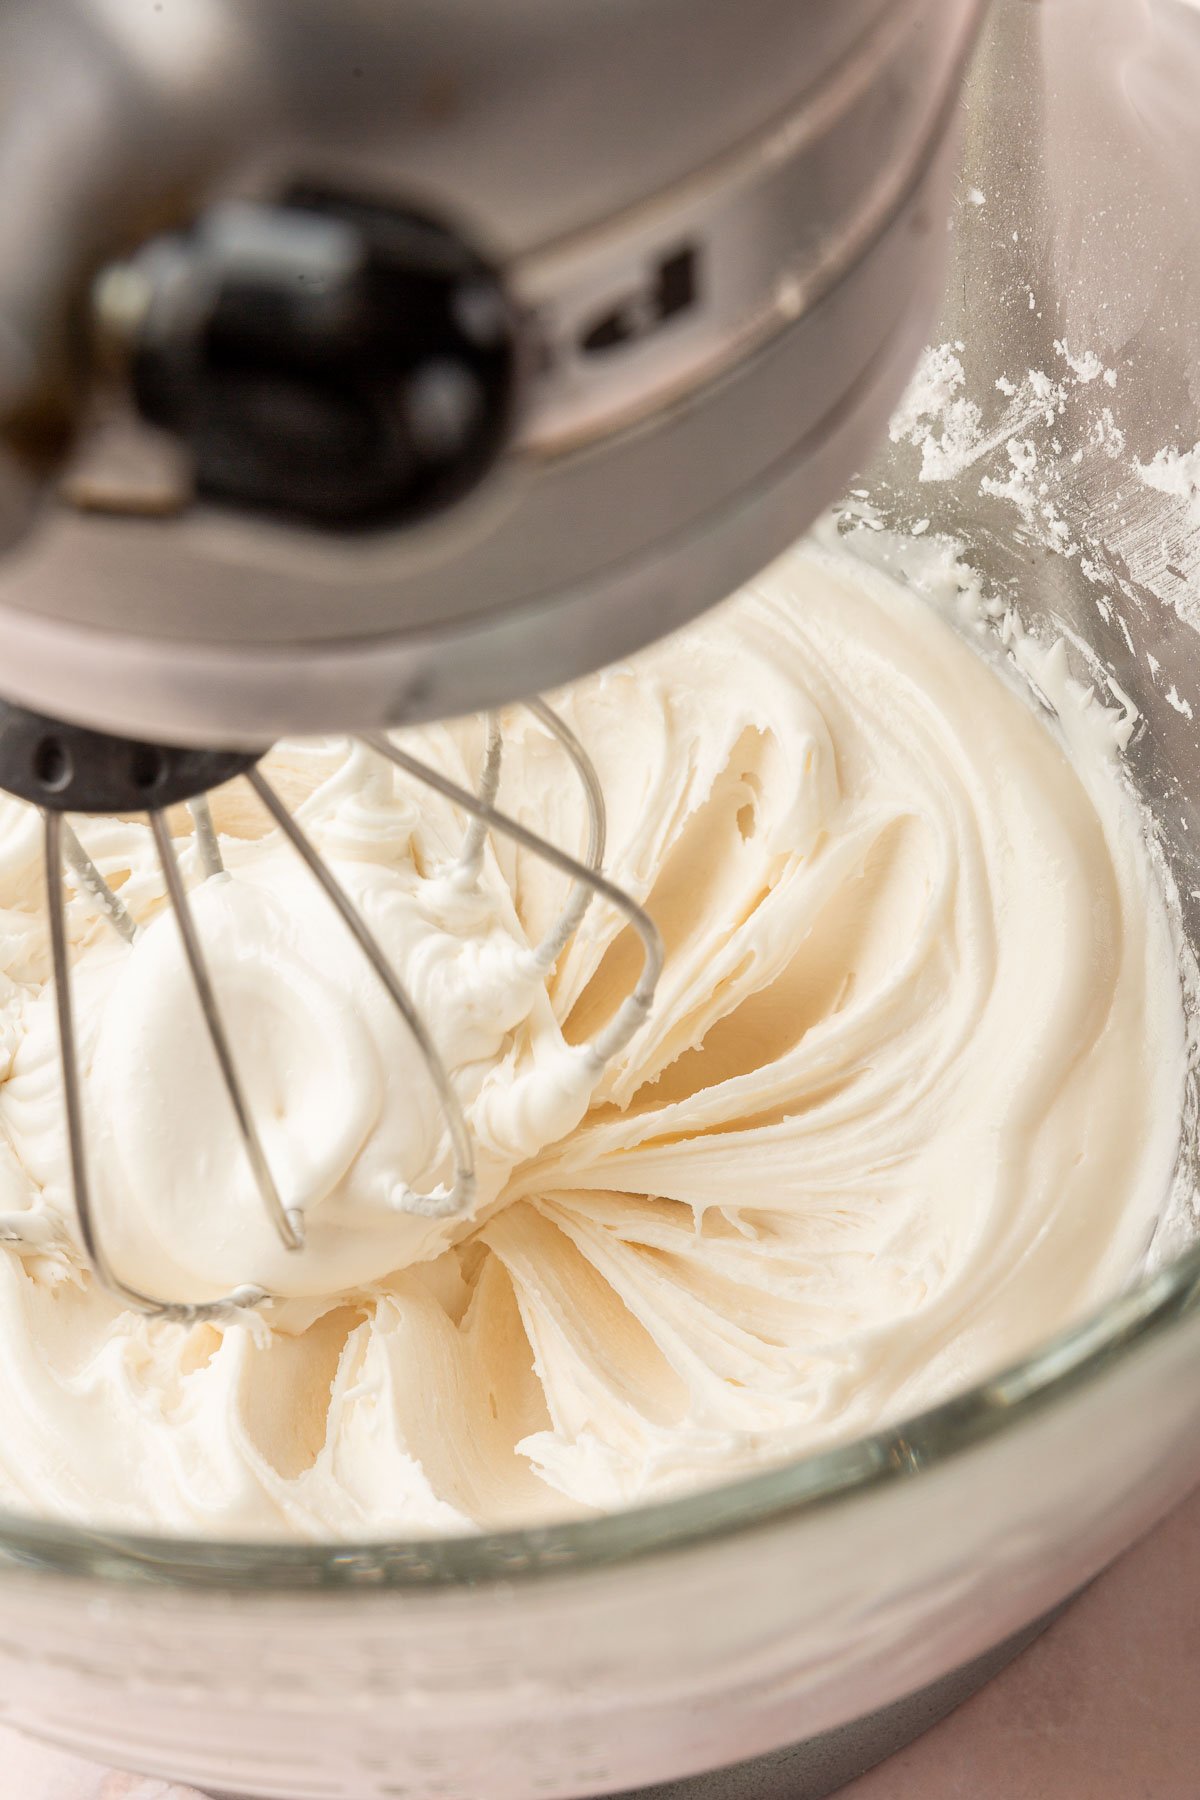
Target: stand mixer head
{"points": [[366, 365]]}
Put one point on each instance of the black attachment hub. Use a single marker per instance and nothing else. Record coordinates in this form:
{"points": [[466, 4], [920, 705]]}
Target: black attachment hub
{"points": [[67, 768], [327, 358]]}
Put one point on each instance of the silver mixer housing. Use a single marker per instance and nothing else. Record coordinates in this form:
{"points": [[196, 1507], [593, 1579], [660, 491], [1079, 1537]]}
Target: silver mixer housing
{"points": [[715, 232]]}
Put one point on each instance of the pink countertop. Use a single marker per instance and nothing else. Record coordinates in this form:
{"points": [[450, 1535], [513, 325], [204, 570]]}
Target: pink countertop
{"points": [[1102, 1707]]}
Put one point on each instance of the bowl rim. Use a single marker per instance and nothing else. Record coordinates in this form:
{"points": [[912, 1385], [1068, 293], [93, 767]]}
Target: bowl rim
{"points": [[1070, 1361]]}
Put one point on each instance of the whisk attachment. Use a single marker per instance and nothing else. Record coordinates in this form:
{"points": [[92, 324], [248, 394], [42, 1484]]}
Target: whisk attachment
{"points": [[109, 791]]}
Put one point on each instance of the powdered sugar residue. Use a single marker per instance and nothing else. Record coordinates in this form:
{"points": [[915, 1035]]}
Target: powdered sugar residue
{"points": [[1085, 367], [1176, 473], [1051, 446]]}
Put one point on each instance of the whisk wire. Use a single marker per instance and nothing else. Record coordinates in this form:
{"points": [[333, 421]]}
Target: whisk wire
{"points": [[633, 1010], [134, 1298], [470, 858], [547, 953], [461, 1191], [207, 847], [93, 884], [289, 1224]]}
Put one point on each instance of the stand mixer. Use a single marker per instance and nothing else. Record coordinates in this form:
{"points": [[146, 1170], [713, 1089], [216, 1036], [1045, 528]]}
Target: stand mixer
{"points": [[365, 365], [773, 1637]]}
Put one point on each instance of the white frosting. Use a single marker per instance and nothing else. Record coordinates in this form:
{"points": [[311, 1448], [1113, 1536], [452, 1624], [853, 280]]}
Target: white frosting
{"points": [[908, 1101]]}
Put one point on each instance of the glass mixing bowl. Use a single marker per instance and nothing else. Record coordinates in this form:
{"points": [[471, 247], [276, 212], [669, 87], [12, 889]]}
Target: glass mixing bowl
{"points": [[591, 1657]]}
